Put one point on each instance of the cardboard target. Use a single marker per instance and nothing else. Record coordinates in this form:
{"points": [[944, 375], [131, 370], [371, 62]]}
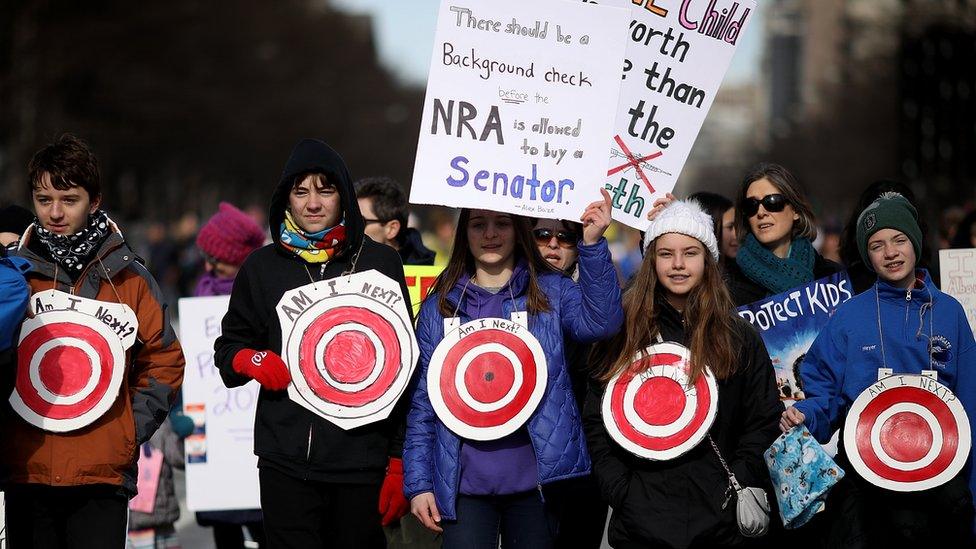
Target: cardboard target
{"points": [[70, 360], [486, 377], [349, 346], [651, 410], [907, 433]]}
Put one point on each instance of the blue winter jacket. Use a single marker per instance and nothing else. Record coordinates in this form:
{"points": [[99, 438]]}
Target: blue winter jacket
{"points": [[587, 312], [13, 297], [845, 357]]}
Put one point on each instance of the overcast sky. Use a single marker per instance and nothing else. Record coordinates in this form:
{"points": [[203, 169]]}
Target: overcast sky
{"points": [[405, 35]]}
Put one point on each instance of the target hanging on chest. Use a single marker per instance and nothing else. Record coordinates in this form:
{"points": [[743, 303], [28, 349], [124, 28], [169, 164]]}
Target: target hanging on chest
{"points": [[652, 410], [907, 433], [71, 360], [349, 346], [487, 376]]}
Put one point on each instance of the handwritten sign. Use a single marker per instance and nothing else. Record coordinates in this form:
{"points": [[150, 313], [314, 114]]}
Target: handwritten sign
{"points": [[349, 346], [790, 321], [677, 55], [959, 279], [420, 279], [221, 468], [520, 102]]}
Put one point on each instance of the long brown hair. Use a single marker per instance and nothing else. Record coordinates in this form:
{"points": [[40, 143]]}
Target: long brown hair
{"points": [[462, 262], [708, 315]]}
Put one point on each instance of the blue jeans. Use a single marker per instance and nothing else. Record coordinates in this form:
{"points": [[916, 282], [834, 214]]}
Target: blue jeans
{"points": [[522, 520]]}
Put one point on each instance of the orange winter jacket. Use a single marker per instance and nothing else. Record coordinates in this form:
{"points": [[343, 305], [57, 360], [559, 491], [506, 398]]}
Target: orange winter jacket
{"points": [[104, 452]]}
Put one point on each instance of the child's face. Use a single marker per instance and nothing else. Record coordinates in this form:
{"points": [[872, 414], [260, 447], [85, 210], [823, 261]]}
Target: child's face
{"points": [[892, 257], [680, 262]]}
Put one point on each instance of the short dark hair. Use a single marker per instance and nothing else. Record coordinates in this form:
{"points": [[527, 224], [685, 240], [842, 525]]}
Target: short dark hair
{"points": [[69, 162], [389, 200]]}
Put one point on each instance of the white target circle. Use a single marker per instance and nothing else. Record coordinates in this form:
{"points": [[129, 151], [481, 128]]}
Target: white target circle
{"points": [[907, 433], [486, 378], [69, 370], [350, 357], [651, 410]]}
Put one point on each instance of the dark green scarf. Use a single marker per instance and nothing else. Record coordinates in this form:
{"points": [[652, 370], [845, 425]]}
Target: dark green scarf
{"points": [[773, 273]]}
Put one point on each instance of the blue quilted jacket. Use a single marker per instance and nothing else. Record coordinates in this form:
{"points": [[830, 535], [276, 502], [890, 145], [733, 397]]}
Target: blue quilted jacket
{"points": [[587, 312]]}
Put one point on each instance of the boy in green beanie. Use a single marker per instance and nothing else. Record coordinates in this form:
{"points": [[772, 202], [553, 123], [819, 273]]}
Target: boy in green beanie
{"points": [[906, 324]]}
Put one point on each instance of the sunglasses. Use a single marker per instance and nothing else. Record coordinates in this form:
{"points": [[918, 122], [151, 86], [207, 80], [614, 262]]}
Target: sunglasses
{"points": [[566, 239], [771, 202]]}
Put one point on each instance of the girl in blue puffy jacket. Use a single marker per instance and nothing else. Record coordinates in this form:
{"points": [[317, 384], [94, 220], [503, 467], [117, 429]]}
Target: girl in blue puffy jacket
{"points": [[477, 490], [903, 323]]}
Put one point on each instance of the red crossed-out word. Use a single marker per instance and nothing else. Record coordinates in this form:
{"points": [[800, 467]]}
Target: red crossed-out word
{"points": [[634, 161]]}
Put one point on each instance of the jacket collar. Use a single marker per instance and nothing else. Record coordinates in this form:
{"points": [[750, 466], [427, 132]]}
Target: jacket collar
{"points": [[923, 291], [114, 255], [516, 285]]}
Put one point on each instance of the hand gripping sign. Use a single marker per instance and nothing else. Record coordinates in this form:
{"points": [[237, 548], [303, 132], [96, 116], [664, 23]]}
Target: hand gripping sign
{"points": [[349, 346], [486, 376], [70, 360], [907, 432], [651, 410]]}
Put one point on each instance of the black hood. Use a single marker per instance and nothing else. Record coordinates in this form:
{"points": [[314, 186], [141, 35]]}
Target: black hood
{"points": [[314, 156]]}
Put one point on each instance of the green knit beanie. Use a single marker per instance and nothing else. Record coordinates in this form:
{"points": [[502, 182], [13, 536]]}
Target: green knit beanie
{"points": [[890, 211]]}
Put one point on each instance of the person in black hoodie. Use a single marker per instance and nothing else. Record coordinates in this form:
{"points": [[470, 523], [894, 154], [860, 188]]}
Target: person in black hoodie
{"points": [[678, 296], [320, 485], [777, 228]]}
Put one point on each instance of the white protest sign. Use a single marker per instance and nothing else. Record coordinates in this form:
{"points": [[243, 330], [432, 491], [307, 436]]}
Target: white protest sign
{"points": [[221, 468], [349, 346], [677, 55], [71, 360], [959, 279], [520, 103]]}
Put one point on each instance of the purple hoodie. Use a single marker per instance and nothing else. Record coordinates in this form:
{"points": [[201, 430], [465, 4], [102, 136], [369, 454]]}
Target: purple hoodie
{"points": [[210, 285], [506, 465]]}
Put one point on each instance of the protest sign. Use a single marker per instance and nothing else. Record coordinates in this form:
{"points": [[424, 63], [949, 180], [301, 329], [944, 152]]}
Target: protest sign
{"points": [[420, 279], [520, 102], [349, 346], [959, 279], [790, 321], [677, 55], [221, 468]]}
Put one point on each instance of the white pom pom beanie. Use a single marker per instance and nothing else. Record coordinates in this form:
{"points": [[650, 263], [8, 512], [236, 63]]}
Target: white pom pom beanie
{"points": [[684, 217]]}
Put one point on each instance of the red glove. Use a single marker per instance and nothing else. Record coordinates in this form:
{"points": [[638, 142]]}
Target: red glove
{"points": [[393, 504], [264, 366]]}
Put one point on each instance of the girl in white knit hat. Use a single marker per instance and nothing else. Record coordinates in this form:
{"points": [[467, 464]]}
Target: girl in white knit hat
{"points": [[686, 401]]}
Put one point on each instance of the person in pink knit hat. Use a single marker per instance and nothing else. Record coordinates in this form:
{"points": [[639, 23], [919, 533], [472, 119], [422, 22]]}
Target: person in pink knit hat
{"points": [[226, 241]]}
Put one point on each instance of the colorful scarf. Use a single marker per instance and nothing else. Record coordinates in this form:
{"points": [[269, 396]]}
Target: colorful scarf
{"points": [[312, 247], [773, 273], [74, 251]]}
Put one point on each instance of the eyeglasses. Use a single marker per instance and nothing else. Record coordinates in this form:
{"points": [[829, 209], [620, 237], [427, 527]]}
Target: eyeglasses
{"points": [[368, 221], [771, 202], [566, 239]]}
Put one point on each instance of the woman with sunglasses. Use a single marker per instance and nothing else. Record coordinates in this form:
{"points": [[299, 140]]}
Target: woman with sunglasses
{"points": [[778, 225], [583, 516], [475, 490]]}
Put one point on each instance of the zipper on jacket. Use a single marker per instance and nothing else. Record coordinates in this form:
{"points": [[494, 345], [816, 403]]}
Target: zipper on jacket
{"points": [[322, 272], [908, 294], [308, 453]]}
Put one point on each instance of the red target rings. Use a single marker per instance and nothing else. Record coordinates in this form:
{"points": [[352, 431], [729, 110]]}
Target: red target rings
{"points": [[349, 346], [907, 433], [651, 410], [70, 360], [486, 377]]}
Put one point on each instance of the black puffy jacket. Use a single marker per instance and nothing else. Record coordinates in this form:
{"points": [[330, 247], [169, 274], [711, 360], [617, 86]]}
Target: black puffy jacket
{"points": [[287, 437], [678, 502]]}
